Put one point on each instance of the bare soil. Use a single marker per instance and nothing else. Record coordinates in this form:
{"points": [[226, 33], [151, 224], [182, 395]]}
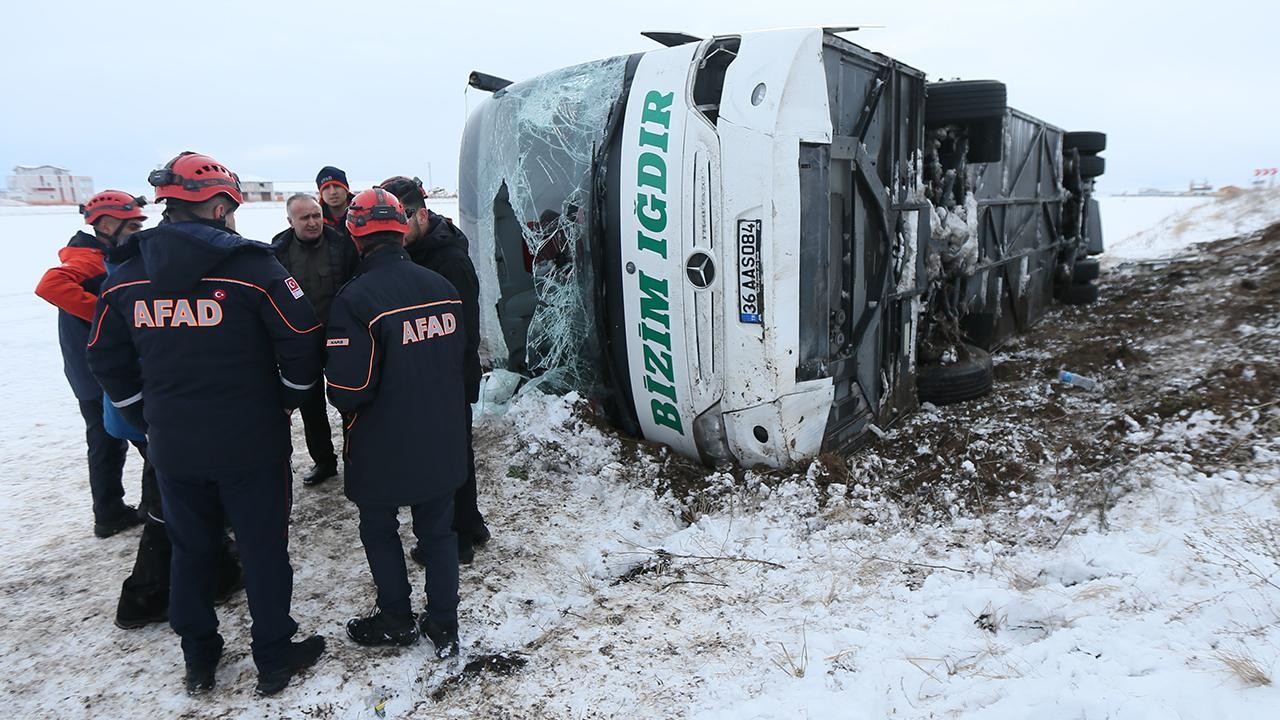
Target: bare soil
{"points": [[1171, 342]]}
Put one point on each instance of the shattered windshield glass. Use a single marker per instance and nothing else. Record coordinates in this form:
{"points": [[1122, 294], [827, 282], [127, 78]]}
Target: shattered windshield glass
{"points": [[526, 183]]}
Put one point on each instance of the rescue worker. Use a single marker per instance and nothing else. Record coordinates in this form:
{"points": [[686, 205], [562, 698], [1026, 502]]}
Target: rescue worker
{"points": [[335, 197], [202, 340], [73, 287], [321, 259], [144, 594], [395, 361], [435, 243]]}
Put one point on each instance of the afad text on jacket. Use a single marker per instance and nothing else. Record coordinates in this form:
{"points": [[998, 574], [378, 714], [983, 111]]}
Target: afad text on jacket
{"points": [[209, 333], [395, 355]]}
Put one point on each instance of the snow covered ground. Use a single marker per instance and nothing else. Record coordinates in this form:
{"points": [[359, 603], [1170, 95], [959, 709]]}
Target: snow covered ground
{"points": [[620, 582], [1140, 228]]}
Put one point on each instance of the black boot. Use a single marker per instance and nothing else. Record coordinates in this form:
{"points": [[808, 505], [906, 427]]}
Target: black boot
{"points": [[121, 519], [480, 535], [466, 551], [444, 637], [300, 655], [134, 610], [144, 595], [321, 473], [200, 675], [384, 628]]}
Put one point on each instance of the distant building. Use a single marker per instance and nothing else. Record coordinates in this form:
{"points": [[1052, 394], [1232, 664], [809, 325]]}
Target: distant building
{"points": [[48, 185], [256, 189]]}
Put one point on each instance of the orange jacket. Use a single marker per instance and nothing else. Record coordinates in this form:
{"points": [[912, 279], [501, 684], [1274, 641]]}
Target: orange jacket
{"points": [[73, 285]]}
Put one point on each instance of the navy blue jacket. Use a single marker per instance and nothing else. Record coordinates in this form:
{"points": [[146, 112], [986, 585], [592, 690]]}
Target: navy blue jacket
{"points": [[443, 248], [395, 347], [112, 419], [207, 332]]}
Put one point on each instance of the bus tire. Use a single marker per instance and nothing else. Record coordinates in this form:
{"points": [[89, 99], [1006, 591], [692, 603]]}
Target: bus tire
{"points": [[1078, 293], [963, 101], [1085, 271], [1092, 166], [1087, 142], [967, 378]]}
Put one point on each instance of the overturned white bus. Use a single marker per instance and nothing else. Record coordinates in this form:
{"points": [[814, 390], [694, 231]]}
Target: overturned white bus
{"points": [[759, 247]]}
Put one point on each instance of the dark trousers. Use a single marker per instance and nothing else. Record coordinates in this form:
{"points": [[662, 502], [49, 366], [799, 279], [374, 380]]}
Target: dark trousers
{"points": [[148, 584], [380, 534], [257, 501], [106, 463], [147, 587], [315, 426], [150, 501], [466, 512]]}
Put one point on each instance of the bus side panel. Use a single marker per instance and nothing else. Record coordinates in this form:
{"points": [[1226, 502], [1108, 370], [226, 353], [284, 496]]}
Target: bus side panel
{"points": [[872, 218], [1019, 215]]}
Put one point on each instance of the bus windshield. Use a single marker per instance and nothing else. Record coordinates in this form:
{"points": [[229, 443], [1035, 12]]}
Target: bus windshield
{"points": [[527, 185]]}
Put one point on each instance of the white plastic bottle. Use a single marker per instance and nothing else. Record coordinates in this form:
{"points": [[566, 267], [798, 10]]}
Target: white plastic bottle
{"points": [[1079, 381]]}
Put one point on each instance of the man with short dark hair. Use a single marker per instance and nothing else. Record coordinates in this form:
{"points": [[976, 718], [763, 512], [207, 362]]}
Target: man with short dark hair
{"points": [[203, 341], [72, 287], [335, 198], [321, 259], [395, 358], [435, 243]]}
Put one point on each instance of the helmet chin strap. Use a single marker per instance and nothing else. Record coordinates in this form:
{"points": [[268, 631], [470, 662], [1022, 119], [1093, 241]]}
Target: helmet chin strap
{"points": [[113, 238]]}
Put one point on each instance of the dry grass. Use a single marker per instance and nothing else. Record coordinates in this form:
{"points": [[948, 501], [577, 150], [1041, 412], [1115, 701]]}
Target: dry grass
{"points": [[990, 619], [1094, 591], [1244, 666], [1255, 554], [793, 665]]}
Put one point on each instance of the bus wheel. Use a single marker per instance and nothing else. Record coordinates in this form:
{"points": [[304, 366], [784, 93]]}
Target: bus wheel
{"points": [[967, 378], [1092, 166], [1078, 293], [1087, 142], [1085, 271]]}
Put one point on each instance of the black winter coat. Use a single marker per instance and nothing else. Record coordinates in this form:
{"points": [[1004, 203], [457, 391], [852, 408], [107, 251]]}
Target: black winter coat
{"points": [[211, 337], [443, 248], [343, 259], [395, 343], [337, 224]]}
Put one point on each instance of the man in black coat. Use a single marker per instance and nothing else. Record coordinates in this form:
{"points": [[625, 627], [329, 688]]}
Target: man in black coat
{"points": [[321, 259], [395, 361], [202, 340], [435, 243]]}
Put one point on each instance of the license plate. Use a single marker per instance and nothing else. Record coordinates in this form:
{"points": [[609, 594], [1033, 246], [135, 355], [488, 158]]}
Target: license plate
{"points": [[750, 289]]}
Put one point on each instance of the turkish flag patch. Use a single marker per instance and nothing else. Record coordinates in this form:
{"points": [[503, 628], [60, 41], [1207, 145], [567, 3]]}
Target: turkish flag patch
{"points": [[294, 288]]}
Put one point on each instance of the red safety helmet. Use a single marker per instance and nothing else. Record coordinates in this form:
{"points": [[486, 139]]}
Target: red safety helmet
{"points": [[195, 178], [113, 203], [376, 210]]}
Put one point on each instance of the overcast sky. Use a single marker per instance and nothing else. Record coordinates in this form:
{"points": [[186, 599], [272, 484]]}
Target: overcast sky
{"points": [[1184, 90]]}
